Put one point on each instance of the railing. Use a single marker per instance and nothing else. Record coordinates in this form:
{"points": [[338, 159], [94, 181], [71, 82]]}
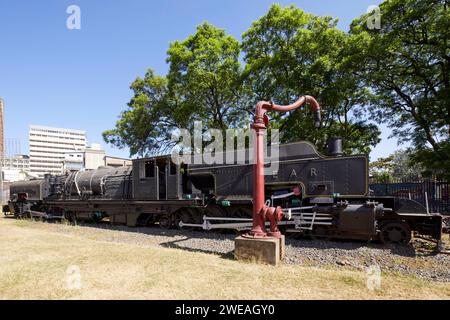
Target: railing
{"points": [[434, 192]]}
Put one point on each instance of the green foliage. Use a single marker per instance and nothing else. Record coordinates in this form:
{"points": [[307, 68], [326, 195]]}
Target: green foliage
{"points": [[381, 177], [145, 125], [288, 53], [397, 166], [436, 164], [204, 83], [398, 75], [205, 79], [407, 65]]}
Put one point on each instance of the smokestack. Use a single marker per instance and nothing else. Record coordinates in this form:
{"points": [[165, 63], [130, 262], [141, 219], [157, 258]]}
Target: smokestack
{"points": [[334, 145]]}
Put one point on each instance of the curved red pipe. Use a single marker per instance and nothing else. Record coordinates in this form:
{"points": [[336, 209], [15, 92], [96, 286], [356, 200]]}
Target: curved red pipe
{"points": [[260, 211], [263, 106]]}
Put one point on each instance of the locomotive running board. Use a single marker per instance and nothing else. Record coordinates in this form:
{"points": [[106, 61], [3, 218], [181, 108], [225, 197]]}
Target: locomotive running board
{"points": [[248, 224], [207, 225], [307, 220]]}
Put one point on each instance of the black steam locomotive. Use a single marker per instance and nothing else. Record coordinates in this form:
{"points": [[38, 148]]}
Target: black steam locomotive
{"points": [[324, 196]]}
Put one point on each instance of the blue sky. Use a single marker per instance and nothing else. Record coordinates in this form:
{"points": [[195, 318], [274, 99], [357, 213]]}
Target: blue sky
{"points": [[50, 75]]}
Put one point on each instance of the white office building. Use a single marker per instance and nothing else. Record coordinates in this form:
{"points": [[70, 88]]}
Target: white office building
{"points": [[19, 161], [48, 147], [16, 168], [92, 158]]}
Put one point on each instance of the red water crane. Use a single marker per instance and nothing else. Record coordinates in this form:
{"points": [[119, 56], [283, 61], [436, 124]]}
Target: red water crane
{"points": [[261, 212]]}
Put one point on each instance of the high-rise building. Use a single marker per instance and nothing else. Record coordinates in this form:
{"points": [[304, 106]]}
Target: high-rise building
{"points": [[2, 153], [19, 162], [48, 147], [2, 138]]}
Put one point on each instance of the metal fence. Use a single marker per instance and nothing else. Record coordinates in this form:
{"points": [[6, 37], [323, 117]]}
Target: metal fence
{"points": [[434, 192]]}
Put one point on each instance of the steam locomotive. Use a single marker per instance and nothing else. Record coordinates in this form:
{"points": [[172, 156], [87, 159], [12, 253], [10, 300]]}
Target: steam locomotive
{"points": [[322, 196]]}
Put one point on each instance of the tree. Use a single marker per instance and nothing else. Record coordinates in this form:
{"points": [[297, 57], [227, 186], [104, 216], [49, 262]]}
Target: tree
{"points": [[407, 66], [288, 53], [205, 79], [397, 166], [204, 84], [145, 127]]}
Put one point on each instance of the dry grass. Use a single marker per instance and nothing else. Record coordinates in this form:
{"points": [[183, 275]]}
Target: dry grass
{"points": [[34, 261]]}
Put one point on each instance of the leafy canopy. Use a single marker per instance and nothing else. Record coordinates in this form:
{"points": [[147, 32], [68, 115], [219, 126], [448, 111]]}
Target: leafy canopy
{"points": [[398, 75], [397, 166], [203, 83], [144, 126], [205, 79], [407, 65], [289, 52]]}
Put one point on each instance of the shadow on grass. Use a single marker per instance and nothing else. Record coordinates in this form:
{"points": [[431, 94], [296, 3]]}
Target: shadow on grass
{"points": [[175, 245], [297, 242]]}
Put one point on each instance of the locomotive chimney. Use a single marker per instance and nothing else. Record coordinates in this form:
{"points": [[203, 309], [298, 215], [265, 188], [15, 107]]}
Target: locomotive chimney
{"points": [[334, 145]]}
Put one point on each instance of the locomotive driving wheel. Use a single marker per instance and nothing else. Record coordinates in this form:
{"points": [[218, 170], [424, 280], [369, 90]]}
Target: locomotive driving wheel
{"points": [[184, 216], [165, 222], [395, 233]]}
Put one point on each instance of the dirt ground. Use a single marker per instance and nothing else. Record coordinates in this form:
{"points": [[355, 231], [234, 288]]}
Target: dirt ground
{"points": [[58, 261]]}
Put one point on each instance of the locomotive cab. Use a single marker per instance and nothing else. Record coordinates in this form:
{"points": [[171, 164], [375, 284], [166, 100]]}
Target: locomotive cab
{"points": [[157, 178]]}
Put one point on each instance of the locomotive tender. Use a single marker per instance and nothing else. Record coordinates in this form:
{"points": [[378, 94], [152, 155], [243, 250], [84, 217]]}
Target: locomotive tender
{"points": [[328, 196]]}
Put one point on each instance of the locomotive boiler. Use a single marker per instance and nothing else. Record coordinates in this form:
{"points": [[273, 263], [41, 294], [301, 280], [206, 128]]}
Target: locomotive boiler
{"points": [[323, 196]]}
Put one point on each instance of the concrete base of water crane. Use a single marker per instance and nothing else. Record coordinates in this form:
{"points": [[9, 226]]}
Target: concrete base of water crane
{"points": [[260, 250]]}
